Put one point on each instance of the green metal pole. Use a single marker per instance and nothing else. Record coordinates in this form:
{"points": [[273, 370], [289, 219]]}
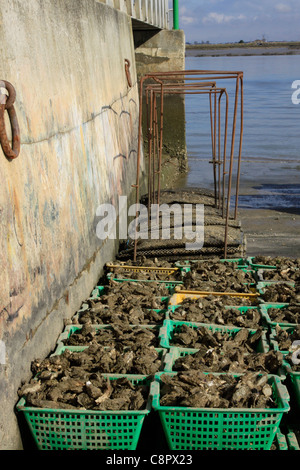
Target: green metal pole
{"points": [[175, 14]]}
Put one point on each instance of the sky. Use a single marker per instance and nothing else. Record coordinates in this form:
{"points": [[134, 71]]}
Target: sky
{"points": [[231, 20]]}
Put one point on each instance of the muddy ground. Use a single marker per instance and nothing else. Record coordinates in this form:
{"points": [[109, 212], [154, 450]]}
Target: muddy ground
{"points": [[241, 50]]}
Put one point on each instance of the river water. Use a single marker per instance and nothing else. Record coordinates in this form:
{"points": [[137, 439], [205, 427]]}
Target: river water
{"points": [[270, 167]]}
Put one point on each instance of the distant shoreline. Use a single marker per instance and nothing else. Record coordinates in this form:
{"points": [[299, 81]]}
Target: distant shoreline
{"points": [[242, 49]]}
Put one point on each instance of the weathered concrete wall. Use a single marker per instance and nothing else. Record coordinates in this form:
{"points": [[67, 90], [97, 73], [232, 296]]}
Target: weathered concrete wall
{"points": [[79, 121], [165, 52]]}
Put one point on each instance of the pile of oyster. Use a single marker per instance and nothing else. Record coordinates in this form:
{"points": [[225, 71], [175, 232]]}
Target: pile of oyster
{"points": [[74, 380], [195, 389], [288, 314], [212, 310], [218, 277], [224, 352], [114, 335], [288, 340], [282, 292]]}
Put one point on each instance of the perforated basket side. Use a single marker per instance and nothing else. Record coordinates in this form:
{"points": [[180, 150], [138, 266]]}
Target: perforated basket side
{"points": [[221, 429], [57, 429]]}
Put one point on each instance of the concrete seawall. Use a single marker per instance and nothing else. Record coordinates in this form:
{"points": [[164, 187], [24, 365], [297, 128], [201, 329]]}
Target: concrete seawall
{"points": [[78, 121]]}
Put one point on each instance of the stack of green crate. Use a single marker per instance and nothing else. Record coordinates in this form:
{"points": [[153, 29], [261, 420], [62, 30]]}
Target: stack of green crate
{"points": [[191, 428], [61, 429], [184, 428]]}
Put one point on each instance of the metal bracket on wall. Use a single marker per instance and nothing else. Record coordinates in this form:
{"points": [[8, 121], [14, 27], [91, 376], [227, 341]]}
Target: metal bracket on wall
{"points": [[7, 103]]}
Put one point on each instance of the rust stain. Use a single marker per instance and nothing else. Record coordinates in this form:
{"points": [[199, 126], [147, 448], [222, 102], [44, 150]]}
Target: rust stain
{"points": [[82, 143], [18, 229]]}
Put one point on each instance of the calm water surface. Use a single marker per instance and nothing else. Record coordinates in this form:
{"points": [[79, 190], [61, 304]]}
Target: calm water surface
{"points": [[270, 172]]}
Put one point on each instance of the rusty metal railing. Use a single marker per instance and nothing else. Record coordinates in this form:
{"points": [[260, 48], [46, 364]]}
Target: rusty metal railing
{"points": [[203, 82]]}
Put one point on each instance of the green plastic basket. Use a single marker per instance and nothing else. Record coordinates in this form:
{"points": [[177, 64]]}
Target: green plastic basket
{"points": [[287, 370], [171, 326], [242, 310], [221, 429], [261, 286], [264, 307], [273, 339], [162, 353], [295, 385], [258, 266], [175, 353], [56, 429], [71, 329], [261, 276], [84, 308], [98, 291], [292, 440], [287, 440], [280, 441], [294, 380]]}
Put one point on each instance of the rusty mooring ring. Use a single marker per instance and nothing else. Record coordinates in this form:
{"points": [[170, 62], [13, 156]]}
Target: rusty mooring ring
{"points": [[13, 151], [11, 94], [127, 71]]}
